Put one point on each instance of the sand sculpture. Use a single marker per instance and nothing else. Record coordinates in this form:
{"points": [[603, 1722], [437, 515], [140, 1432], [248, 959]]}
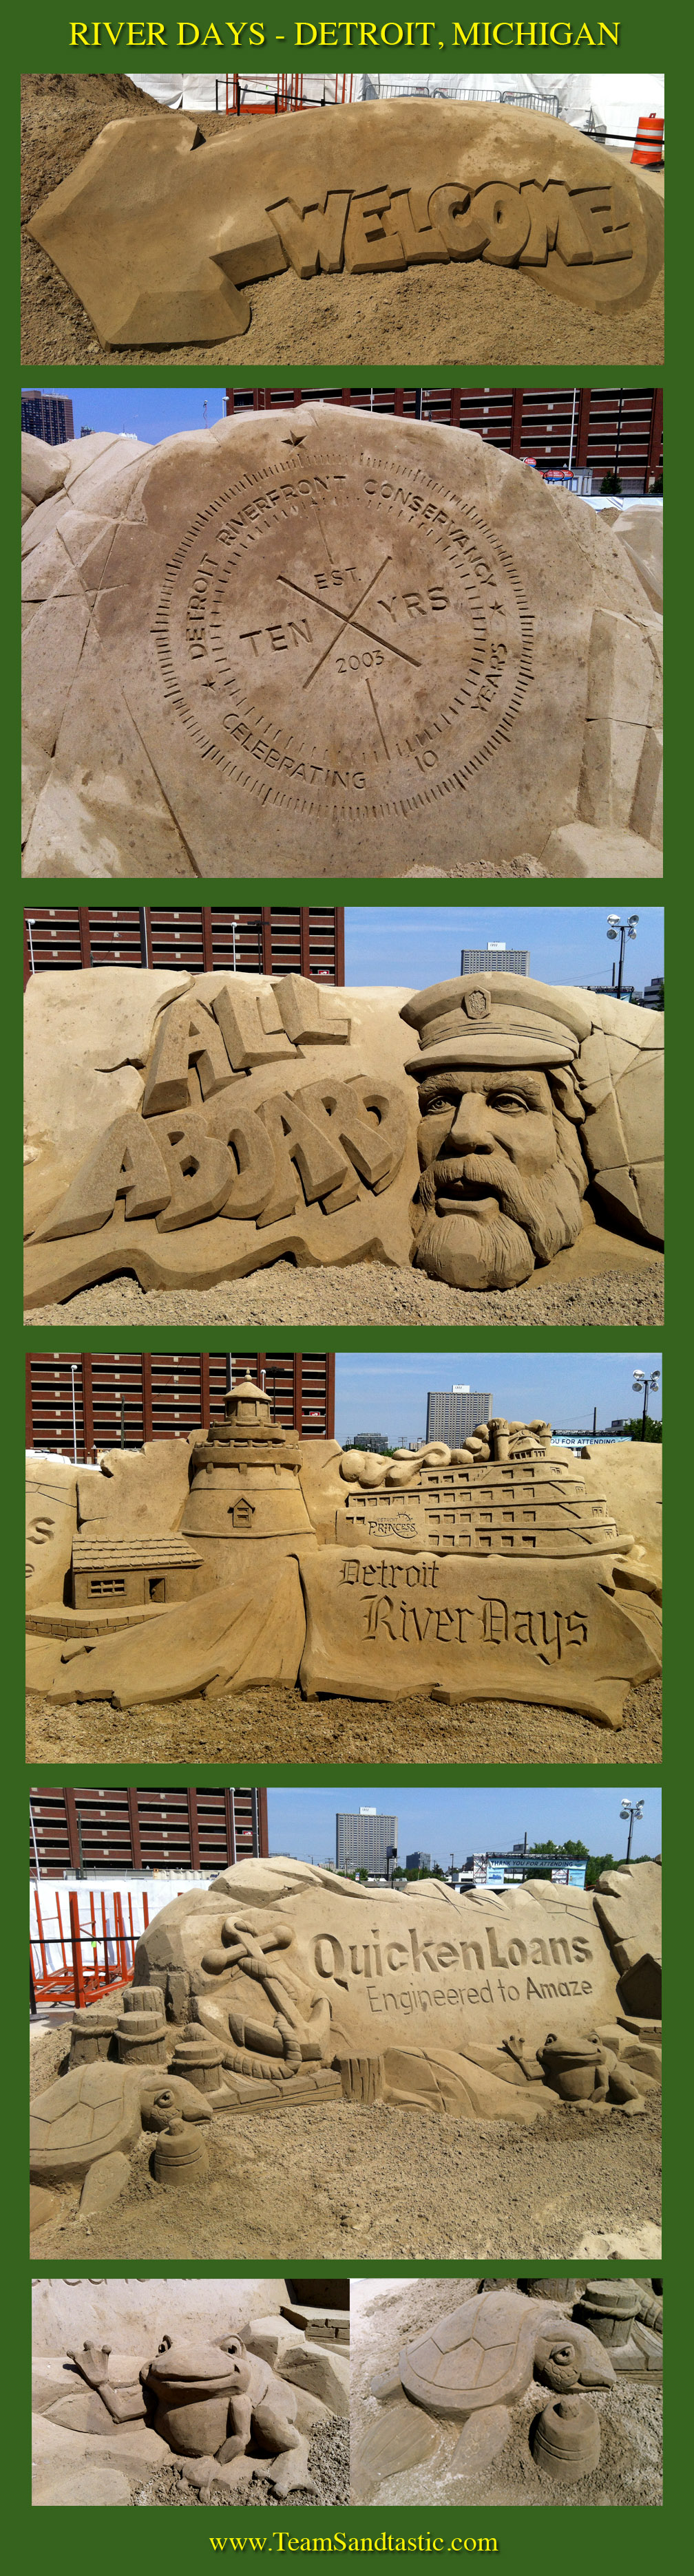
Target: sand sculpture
{"points": [[311, 1987], [486, 1571], [157, 236], [475, 2364], [480, 2362], [386, 640], [193, 1129], [217, 2410], [628, 2319], [566, 2440]]}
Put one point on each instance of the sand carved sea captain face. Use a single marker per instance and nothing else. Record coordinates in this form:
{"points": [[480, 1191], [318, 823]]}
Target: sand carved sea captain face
{"points": [[502, 1172]]}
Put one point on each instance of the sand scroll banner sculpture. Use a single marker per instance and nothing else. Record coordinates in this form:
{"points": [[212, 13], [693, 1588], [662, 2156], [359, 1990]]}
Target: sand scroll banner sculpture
{"points": [[309, 1987], [158, 237], [196, 1129], [387, 642]]}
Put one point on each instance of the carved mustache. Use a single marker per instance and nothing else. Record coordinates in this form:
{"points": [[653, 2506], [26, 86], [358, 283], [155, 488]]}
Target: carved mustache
{"points": [[491, 1172]]}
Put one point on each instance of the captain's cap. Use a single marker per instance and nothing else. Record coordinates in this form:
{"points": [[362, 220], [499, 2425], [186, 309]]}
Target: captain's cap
{"points": [[488, 1020]]}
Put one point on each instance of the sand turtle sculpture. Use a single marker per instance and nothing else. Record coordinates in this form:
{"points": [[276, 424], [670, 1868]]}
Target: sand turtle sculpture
{"points": [[97, 2111], [475, 2364]]}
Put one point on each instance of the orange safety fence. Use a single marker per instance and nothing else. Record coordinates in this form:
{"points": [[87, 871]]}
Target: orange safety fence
{"points": [[91, 1960]]}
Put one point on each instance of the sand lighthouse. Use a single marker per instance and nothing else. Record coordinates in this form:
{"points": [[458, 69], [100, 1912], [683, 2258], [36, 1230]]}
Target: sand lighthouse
{"points": [[245, 1484]]}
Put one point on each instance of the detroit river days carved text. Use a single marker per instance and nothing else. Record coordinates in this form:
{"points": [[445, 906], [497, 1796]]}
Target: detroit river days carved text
{"points": [[378, 1959], [326, 625], [492, 1621]]}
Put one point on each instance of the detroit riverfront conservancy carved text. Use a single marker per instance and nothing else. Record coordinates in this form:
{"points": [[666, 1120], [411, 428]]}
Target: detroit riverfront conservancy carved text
{"points": [[355, 621]]}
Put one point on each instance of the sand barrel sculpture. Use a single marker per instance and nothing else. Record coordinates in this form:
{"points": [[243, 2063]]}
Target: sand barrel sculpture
{"points": [[159, 237], [384, 642], [194, 1129], [284, 1984]]}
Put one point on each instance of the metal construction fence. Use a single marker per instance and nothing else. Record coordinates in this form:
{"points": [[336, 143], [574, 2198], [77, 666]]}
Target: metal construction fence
{"points": [[77, 1956]]}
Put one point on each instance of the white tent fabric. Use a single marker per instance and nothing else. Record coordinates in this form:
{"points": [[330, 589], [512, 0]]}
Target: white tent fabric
{"points": [[615, 100], [160, 1892]]}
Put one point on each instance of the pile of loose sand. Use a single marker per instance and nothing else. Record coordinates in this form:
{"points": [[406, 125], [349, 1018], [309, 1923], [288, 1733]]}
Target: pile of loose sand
{"points": [[328, 2467], [368, 1294], [383, 2184], [458, 316], [277, 1726]]}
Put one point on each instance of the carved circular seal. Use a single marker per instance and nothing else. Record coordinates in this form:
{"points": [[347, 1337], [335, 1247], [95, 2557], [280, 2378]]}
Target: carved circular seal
{"points": [[343, 636]]}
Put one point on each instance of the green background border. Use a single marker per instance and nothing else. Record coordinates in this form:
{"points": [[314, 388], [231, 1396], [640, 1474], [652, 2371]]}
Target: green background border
{"points": [[44, 43]]}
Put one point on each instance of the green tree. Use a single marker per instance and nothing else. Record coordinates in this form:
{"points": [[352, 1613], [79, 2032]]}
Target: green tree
{"points": [[611, 483], [653, 1430], [595, 1866]]}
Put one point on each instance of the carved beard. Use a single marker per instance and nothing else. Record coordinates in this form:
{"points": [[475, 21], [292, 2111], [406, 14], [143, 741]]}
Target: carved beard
{"points": [[534, 1220]]}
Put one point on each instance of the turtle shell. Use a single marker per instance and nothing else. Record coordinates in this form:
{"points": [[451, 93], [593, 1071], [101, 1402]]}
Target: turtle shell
{"points": [[480, 2355], [93, 2111]]}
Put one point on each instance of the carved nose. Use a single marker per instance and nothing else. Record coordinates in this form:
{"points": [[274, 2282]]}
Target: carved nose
{"points": [[471, 1130]]}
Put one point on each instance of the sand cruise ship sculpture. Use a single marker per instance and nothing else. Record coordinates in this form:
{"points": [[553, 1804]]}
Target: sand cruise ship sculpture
{"points": [[504, 1494]]}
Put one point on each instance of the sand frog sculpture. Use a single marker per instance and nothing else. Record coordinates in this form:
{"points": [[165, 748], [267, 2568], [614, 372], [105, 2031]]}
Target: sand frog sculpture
{"points": [[209, 2402], [475, 2364]]}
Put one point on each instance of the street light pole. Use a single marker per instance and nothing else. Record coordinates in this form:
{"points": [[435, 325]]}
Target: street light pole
{"points": [[621, 930], [634, 1814], [650, 1386]]}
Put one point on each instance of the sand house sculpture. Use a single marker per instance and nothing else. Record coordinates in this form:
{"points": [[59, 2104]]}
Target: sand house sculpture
{"points": [[284, 1984], [489, 1571], [194, 1129], [384, 640], [159, 238]]}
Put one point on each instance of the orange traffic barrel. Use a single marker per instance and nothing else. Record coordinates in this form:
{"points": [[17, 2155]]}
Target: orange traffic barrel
{"points": [[648, 148]]}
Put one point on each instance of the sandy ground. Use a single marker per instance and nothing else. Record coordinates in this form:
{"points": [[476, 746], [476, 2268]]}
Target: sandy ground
{"points": [[276, 1726], [386, 2184], [464, 316], [328, 2462], [629, 2472], [367, 1293]]}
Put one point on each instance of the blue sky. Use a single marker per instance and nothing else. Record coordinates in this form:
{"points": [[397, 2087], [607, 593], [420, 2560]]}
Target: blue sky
{"points": [[567, 946], [387, 1391], [302, 1821], [146, 411]]}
